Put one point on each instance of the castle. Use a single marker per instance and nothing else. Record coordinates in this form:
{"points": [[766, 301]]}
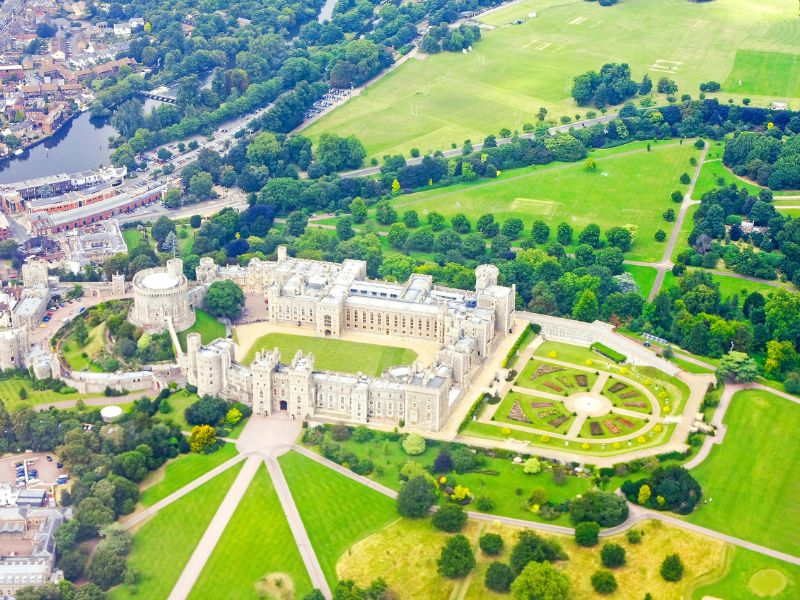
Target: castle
{"points": [[333, 298]]}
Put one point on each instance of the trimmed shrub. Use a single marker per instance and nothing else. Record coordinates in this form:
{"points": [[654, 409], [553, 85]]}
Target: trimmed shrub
{"points": [[499, 577], [612, 555], [586, 534], [450, 518], [491, 544], [413, 444], [604, 582]]}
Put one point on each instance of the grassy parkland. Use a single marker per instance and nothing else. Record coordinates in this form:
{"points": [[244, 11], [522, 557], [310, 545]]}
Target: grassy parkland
{"points": [[752, 480], [256, 557], [334, 354], [431, 102]]}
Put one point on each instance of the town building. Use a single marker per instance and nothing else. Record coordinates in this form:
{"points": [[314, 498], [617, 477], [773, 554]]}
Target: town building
{"points": [[27, 548]]}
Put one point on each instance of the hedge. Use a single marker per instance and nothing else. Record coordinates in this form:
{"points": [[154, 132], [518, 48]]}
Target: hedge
{"points": [[475, 410], [609, 353], [511, 357]]}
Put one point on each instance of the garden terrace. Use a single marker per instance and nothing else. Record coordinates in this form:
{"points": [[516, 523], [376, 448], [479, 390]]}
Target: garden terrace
{"points": [[555, 379], [539, 413]]}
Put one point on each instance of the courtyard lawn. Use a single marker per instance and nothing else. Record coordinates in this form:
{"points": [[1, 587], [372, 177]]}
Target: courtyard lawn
{"points": [[334, 354], [163, 544], [630, 185], [431, 102], [555, 412], [336, 511], [206, 325], [747, 574], [644, 277], [753, 478], [180, 472], [73, 352], [257, 542]]}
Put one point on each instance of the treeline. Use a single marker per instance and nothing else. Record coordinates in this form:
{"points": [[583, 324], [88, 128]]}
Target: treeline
{"points": [[769, 157]]}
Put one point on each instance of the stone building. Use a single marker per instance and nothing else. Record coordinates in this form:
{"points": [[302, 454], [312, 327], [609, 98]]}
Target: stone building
{"points": [[333, 298], [27, 548], [14, 346], [162, 294]]}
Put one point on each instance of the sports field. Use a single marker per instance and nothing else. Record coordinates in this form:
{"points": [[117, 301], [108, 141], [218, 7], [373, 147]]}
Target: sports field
{"points": [[753, 479], [257, 543], [334, 355], [630, 185], [433, 101]]}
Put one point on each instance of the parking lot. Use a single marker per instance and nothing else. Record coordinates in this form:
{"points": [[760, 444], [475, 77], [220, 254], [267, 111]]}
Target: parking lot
{"points": [[46, 472], [61, 314]]}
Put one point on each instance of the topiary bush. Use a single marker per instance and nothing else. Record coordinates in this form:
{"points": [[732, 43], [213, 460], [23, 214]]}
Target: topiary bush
{"points": [[413, 444]]}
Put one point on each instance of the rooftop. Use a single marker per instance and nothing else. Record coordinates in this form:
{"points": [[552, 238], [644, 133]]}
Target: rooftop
{"points": [[160, 281]]}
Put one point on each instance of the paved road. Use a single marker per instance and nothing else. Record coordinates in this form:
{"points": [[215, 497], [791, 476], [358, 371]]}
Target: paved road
{"points": [[479, 146], [213, 533]]}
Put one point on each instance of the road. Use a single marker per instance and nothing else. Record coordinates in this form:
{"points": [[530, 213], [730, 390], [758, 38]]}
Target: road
{"points": [[479, 146]]}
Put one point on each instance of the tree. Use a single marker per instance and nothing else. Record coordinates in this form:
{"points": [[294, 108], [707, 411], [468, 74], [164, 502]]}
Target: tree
{"points": [[620, 237], [564, 234], [224, 299], [93, 515], [587, 308], [488, 226], [666, 86], [590, 235], [612, 555], [385, 213], [532, 466], [540, 232], [512, 228], [738, 367], [201, 186], [162, 228], [457, 558], [195, 220], [443, 462], [411, 219], [358, 210], [672, 568], [314, 594], [263, 149], [202, 438], [80, 332], [415, 498], [540, 581], [660, 235], [208, 410], [646, 86], [413, 444], [586, 533], [604, 508], [296, 223], [491, 544], [344, 229], [450, 518], [397, 235], [604, 582], [498, 577], [644, 494], [436, 221], [461, 223], [531, 547]]}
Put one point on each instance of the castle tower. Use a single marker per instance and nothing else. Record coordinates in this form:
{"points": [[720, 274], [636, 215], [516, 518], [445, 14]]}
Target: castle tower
{"points": [[301, 385], [193, 343], [262, 368], [485, 276], [282, 253], [206, 271], [175, 267], [117, 284]]}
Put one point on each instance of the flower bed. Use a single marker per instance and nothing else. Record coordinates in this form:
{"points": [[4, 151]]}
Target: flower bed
{"points": [[611, 427], [541, 404], [625, 422], [558, 421], [517, 414], [636, 404], [554, 387], [629, 394], [545, 370], [617, 387], [582, 380], [595, 428]]}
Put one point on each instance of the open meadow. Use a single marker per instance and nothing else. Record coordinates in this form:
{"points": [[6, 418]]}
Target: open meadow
{"points": [[433, 101]]}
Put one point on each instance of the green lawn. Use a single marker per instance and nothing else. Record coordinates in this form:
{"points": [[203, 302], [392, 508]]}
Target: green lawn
{"points": [[737, 581], [631, 185], [431, 102], [765, 73], [337, 511], [206, 325], [162, 546], [257, 542], [9, 394], [73, 352], [183, 470], [728, 286], [644, 277], [333, 354], [754, 476], [712, 171], [132, 238], [556, 411], [683, 235], [178, 403]]}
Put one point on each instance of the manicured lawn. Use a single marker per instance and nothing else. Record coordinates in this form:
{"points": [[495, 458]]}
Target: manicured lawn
{"points": [[257, 542], [163, 545], [73, 352], [336, 511], [753, 478], [555, 382], [556, 411], [689, 366], [178, 403], [712, 171], [756, 72], [206, 325], [683, 235], [183, 470], [644, 277], [9, 394], [631, 185], [132, 238], [433, 101], [747, 574], [333, 354]]}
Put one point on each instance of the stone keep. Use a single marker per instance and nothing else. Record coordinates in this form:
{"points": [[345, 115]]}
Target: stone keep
{"points": [[161, 295]]}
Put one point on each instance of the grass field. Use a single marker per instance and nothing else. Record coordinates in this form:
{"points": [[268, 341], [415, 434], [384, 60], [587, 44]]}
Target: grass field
{"points": [[207, 326], [434, 101], [631, 185], [181, 471], [9, 394], [334, 355], [163, 545], [754, 477], [257, 542], [710, 174], [132, 238], [178, 403], [745, 566], [756, 72], [405, 555], [337, 511], [644, 277], [728, 286], [73, 352]]}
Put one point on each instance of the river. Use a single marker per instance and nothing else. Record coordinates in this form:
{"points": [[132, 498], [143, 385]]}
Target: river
{"points": [[80, 145]]}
